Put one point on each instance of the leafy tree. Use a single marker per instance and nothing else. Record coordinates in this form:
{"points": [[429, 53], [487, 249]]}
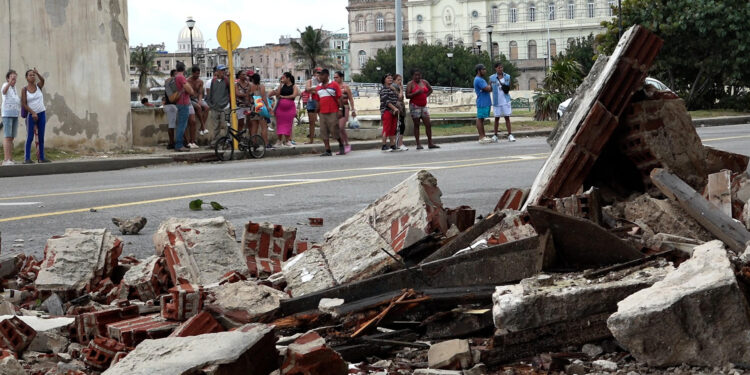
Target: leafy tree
{"points": [[706, 45], [436, 67], [143, 59], [583, 51], [312, 49], [564, 76]]}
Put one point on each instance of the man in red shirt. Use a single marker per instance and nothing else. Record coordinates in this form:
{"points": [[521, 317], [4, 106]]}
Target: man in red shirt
{"points": [[328, 93], [183, 107]]}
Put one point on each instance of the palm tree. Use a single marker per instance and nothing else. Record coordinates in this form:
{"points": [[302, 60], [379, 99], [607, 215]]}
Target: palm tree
{"points": [[312, 49], [564, 76], [143, 60]]}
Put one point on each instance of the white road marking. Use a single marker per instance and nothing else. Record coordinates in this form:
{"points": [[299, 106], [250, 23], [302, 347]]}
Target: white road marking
{"points": [[263, 181], [20, 203]]}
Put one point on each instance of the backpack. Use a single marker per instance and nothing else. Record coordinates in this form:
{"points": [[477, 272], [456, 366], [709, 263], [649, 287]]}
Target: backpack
{"points": [[175, 96]]}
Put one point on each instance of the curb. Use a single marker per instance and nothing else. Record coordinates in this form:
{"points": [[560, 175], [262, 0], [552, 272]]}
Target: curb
{"points": [[82, 166]]}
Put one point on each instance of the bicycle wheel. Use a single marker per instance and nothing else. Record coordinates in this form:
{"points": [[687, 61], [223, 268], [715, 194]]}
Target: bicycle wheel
{"points": [[224, 148], [257, 147]]}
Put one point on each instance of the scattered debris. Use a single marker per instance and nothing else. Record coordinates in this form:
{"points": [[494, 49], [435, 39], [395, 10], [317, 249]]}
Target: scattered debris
{"points": [[130, 226]]}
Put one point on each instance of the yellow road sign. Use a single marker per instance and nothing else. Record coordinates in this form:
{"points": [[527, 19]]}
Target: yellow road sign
{"points": [[229, 35]]}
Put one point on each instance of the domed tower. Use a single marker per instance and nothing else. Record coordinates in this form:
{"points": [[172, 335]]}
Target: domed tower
{"points": [[183, 41]]}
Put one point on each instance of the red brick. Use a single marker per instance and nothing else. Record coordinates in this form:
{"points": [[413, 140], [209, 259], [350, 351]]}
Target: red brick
{"points": [[183, 302], [90, 325], [199, 324], [101, 351], [309, 355], [15, 335], [132, 331], [232, 277]]}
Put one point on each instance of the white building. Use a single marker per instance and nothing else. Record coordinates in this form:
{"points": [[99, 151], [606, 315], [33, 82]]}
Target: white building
{"points": [[372, 26], [183, 41], [525, 31]]}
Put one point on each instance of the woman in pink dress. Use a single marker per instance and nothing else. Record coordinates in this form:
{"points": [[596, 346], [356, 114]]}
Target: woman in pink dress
{"points": [[286, 110]]}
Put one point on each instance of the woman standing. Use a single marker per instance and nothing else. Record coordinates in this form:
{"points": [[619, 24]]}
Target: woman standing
{"points": [[345, 104], [258, 93], [285, 109], [10, 111], [32, 101], [398, 87], [388, 112], [243, 98]]}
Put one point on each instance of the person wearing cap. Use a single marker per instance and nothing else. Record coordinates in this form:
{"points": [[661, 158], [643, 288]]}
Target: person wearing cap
{"points": [[218, 100], [328, 94], [311, 104], [484, 101]]}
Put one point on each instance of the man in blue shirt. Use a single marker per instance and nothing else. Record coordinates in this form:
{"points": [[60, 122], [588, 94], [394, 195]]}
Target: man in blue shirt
{"points": [[501, 99], [482, 89]]}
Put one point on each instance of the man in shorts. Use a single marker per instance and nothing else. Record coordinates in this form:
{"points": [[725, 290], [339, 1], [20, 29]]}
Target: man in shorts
{"points": [[328, 94], [311, 105], [500, 83], [170, 87], [417, 91], [218, 100], [200, 106], [484, 102]]}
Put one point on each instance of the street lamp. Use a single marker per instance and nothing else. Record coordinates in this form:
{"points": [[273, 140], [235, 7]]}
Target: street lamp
{"points": [[378, 69], [450, 57], [619, 17], [479, 46], [191, 24], [489, 33]]}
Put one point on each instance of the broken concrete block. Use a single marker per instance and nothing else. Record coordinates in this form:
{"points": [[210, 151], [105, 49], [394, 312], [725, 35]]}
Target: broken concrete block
{"points": [[432, 371], [78, 260], [605, 365], [328, 305], [92, 324], [462, 217], [15, 334], [101, 351], [10, 264], [199, 324], [513, 227], [512, 199], [308, 272], [352, 251], [251, 347], [450, 355], [664, 216], [53, 305], [147, 279], [182, 302], [539, 302], [584, 206], [716, 160], [309, 355], [133, 331], [719, 191], [130, 226], [199, 251], [7, 308], [49, 342], [478, 369], [698, 312], [244, 302], [10, 366], [592, 351], [266, 246]]}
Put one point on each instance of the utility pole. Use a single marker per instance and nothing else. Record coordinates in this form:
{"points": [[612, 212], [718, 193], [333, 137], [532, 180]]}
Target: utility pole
{"points": [[399, 40], [619, 17]]}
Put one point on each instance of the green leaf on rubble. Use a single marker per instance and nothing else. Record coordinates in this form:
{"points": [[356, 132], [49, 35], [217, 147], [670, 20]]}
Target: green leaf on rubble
{"points": [[196, 205], [217, 207]]}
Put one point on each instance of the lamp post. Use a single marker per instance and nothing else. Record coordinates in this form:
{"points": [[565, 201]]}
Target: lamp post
{"points": [[191, 24], [378, 69], [619, 17], [489, 33], [479, 46], [450, 57]]}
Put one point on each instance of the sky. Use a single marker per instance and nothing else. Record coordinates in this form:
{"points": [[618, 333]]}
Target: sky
{"points": [[261, 21]]}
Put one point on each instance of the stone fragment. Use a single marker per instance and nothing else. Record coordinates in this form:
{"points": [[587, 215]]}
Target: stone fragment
{"points": [[78, 261], [234, 352], [53, 305], [309, 355], [478, 369], [576, 368], [244, 302], [49, 342], [450, 355], [592, 351], [513, 227], [11, 366], [200, 324], [182, 302], [15, 334], [7, 308], [130, 226], [10, 264], [146, 280], [266, 246], [354, 250], [199, 251], [719, 191], [328, 305], [571, 297], [696, 315], [605, 365], [431, 371], [664, 216]]}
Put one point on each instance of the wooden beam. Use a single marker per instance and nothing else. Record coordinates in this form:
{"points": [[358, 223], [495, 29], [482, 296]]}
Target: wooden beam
{"points": [[710, 217]]}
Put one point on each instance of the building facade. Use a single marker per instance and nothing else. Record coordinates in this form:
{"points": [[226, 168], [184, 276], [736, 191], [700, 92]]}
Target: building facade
{"points": [[339, 46], [527, 32], [372, 26]]}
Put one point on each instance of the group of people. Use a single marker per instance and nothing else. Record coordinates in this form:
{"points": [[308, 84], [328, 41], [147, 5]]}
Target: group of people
{"points": [[29, 105]]}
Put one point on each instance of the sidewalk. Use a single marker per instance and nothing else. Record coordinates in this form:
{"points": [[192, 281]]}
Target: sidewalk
{"points": [[204, 155]]}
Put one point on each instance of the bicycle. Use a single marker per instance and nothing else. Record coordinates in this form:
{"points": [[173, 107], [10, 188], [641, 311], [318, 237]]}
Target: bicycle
{"points": [[253, 145]]}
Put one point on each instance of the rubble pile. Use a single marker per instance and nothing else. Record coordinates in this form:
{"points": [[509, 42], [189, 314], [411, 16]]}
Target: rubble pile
{"points": [[629, 253]]}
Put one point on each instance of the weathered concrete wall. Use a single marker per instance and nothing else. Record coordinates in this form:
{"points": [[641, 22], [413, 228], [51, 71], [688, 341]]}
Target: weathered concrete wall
{"points": [[149, 126], [81, 49]]}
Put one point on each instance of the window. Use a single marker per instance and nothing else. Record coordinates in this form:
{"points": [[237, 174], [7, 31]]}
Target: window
{"points": [[571, 41], [449, 41], [360, 24], [533, 85], [552, 47], [494, 14], [611, 5], [532, 13], [474, 14], [531, 50], [419, 18], [571, 9], [590, 9], [420, 37], [513, 50], [379, 23], [474, 37], [512, 14], [362, 59], [551, 11]]}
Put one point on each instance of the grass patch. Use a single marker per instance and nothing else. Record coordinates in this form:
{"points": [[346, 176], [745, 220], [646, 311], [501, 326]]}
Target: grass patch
{"points": [[459, 129], [50, 153], [516, 113], [705, 113]]}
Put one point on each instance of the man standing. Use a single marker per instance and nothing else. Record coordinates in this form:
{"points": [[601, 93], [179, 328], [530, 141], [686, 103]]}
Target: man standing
{"points": [[328, 94], [417, 91], [218, 100], [482, 89], [170, 87], [501, 99], [183, 107], [311, 104]]}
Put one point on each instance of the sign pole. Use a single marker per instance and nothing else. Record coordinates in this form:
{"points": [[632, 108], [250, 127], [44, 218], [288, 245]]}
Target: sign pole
{"points": [[229, 36]]}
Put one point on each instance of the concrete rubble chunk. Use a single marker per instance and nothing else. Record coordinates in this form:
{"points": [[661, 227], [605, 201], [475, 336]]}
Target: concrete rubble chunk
{"points": [[49, 342], [664, 216], [605, 365], [696, 315], [540, 301], [354, 250], [309, 355], [78, 260], [450, 355], [131, 225], [243, 302], [432, 371], [250, 348], [147, 279], [10, 264], [199, 251], [11, 366], [513, 227], [266, 246]]}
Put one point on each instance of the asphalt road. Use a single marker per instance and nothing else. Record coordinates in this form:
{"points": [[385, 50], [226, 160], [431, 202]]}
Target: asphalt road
{"points": [[286, 191]]}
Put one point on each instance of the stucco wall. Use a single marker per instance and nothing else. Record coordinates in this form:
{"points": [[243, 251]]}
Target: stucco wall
{"points": [[81, 48]]}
